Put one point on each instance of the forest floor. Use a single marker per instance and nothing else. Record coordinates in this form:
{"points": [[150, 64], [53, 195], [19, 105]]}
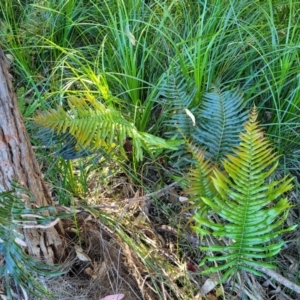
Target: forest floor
{"points": [[126, 242]]}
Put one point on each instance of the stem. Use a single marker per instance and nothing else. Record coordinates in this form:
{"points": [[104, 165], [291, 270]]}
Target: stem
{"points": [[287, 283]]}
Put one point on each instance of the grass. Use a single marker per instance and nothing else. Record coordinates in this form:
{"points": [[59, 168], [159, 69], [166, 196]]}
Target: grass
{"points": [[125, 52]]}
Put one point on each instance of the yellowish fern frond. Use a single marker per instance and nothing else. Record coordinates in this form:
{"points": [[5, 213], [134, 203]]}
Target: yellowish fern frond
{"points": [[93, 125], [199, 180]]}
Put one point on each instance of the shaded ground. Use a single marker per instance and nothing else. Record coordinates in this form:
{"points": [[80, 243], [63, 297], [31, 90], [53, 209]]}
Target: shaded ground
{"points": [[97, 265], [122, 242], [158, 229]]}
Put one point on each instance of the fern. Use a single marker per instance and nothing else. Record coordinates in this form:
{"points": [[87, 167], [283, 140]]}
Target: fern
{"points": [[248, 205], [66, 144], [19, 266], [214, 125], [221, 119], [96, 126], [199, 183], [179, 92]]}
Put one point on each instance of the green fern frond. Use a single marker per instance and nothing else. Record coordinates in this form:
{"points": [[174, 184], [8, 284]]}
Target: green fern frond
{"points": [[179, 92], [252, 216], [199, 182], [95, 126], [214, 125], [221, 119]]}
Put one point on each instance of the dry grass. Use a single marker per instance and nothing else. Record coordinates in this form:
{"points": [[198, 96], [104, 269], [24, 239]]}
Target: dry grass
{"points": [[146, 249]]}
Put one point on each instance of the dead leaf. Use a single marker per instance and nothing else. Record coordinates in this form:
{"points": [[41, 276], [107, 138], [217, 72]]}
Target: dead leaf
{"points": [[192, 117], [191, 266], [198, 297], [80, 254], [88, 218], [102, 270], [208, 285], [183, 199], [95, 265], [113, 297], [211, 296], [91, 273]]}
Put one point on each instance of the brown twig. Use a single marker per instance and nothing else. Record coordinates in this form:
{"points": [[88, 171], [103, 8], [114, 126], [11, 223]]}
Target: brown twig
{"points": [[32, 224], [287, 283], [156, 194]]}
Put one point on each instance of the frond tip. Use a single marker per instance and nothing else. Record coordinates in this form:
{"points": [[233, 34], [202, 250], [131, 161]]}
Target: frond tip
{"points": [[251, 214]]}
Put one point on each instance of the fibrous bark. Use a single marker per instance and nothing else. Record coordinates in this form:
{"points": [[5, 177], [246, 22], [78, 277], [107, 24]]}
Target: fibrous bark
{"points": [[18, 163]]}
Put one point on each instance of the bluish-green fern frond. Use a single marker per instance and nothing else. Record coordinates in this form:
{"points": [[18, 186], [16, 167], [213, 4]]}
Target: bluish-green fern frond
{"points": [[96, 126], [213, 125], [247, 204], [178, 92], [221, 118], [66, 144]]}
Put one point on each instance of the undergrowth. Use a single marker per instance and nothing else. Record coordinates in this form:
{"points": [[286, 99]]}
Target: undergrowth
{"points": [[166, 73]]}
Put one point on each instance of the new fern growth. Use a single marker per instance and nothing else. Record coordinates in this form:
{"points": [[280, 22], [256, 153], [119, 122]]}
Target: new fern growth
{"points": [[246, 211]]}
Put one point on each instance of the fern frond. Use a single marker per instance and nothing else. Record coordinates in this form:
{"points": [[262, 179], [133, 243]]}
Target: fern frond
{"points": [[221, 119], [66, 145], [214, 125], [179, 92], [248, 205], [95, 126], [199, 182], [19, 266]]}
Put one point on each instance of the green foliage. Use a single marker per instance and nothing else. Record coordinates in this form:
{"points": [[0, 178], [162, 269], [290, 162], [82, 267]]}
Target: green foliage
{"points": [[199, 183], [181, 49], [178, 92], [18, 266], [250, 214], [214, 124], [95, 126], [221, 119]]}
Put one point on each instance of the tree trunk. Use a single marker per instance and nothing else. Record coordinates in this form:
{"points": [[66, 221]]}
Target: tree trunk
{"points": [[18, 163]]}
